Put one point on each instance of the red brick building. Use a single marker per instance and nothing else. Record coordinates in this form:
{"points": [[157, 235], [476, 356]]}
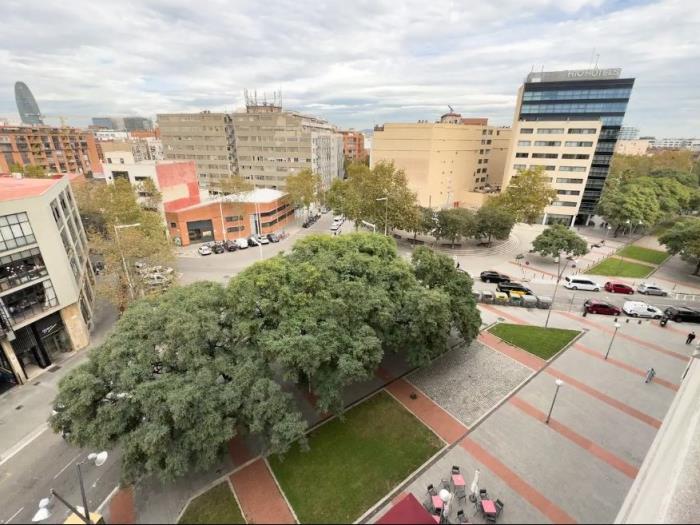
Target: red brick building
{"points": [[354, 145], [260, 211]]}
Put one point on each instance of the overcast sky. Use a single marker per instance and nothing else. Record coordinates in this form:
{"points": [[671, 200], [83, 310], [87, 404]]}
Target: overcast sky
{"points": [[355, 63]]}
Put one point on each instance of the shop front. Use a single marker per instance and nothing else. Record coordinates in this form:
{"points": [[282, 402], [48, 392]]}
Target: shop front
{"points": [[40, 344]]}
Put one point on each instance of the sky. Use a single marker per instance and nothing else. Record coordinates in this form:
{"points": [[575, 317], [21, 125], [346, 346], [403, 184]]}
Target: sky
{"points": [[355, 64]]}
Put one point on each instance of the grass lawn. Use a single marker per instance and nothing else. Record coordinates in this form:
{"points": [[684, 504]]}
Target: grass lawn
{"points": [[540, 341], [217, 505], [352, 463], [619, 268], [643, 254]]}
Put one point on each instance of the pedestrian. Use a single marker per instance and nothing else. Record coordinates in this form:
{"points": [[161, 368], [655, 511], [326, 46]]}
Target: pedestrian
{"points": [[690, 338], [458, 265], [650, 375]]}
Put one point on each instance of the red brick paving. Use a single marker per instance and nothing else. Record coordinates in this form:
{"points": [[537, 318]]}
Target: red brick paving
{"points": [[533, 269], [122, 508], [642, 342], [430, 413], [239, 451], [521, 356], [605, 398], [519, 485], [625, 366], [505, 315], [259, 496], [585, 443]]}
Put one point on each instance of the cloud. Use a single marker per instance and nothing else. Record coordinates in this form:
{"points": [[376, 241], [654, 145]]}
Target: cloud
{"points": [[354, 63]]}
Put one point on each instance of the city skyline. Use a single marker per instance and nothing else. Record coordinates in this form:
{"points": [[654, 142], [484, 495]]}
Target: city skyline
{"points": [[392, 64]]}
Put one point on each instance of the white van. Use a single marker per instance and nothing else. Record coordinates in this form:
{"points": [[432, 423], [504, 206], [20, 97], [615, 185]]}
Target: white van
{"points": [[581, 283], [641, 309], [242, 243]]}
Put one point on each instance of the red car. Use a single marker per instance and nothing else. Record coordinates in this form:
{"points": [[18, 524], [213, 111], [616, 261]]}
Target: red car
{"points": [[601, 307], [618, 288]]}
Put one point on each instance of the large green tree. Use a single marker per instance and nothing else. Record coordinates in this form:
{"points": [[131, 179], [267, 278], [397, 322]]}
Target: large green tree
{"points": [[453, 223], [493, 221], [527, 195], [684, 238], [438, 272], [626, 206], [171, 385], [303, 188], [558, 240]]}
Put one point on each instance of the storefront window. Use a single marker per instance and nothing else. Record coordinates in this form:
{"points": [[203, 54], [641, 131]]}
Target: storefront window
{"points": [[15, 231]]}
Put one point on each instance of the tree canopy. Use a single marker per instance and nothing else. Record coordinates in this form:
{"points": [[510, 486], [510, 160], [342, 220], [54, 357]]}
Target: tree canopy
{"points": [[558, 240], [303, 188], [453, 223], [684, 238], [493, 222], [526, 196], [626, 205]]}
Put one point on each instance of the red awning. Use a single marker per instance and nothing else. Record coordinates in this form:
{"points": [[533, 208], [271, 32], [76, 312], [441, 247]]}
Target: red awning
{"points": [[408, 510]]}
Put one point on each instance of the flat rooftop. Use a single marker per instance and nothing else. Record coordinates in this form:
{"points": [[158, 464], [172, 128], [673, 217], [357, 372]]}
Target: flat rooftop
{"points": [[12, 188]]}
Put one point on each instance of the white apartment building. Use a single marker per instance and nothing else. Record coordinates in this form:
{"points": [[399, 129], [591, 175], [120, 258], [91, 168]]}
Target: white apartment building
{"points": [[565, 150], [676, 143]]}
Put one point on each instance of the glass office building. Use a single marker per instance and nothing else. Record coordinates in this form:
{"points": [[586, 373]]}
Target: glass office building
{"points": [[589, 94]]}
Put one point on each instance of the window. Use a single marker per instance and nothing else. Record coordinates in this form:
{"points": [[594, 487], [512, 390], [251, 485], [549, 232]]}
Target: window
{"points": [[545, 167], [518, 166], [526, 131], [173, 225], [545, 155], [550, 131], [582, 131], [563, 203], [569, 181], [234, 229], [522, 155], [15, 231], [578, 94], [572, 168], [595, 107], [548, 143], [524, 143], [577, 156], [568, 192], [234, 218], [578, 144], [20, 268]]}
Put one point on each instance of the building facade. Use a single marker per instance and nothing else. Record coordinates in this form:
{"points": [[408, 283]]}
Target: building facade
{"points": [[354, 145], [671, 143], [206, 138], [137, 124], [449, 163], [57, 150], [272, 144], [46, 281], [587, 94], [632, 146], [628, 133], [565, 150], [260, 211], [27, 107]]}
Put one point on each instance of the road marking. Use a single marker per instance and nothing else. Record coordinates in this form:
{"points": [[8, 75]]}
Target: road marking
{"points": [[107, 499], [26, 441], [14, 515], [68, 465]]}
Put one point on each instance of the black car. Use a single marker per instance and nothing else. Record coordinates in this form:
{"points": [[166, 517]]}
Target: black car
{"points": [[682, 314], [490, 276], [218, 248], [272, 237], [513, 287], [230, 245]]}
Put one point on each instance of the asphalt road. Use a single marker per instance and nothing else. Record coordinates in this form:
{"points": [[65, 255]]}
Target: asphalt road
{"points": [[49, 462]]}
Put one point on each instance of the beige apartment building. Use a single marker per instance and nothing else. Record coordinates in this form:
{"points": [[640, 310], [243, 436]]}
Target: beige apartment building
{"points": [[565, 150], [206, 138], [272, 143], [451, 163], [632, 146]]}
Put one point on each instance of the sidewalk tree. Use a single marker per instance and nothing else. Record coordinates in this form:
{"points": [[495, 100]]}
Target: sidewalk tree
{"points": [[303, 188], [683, 238], [438, 272], [454, 223], [493, 222], [527, 195], [231, 185], [171, 385], [625, 206], [558, 241]]}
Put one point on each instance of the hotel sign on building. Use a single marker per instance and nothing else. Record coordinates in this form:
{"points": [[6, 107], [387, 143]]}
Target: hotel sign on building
{"points": [[575, 74]]}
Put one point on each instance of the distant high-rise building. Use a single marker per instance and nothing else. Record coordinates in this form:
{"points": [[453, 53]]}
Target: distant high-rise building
{"points": [[104, 122], [628, 133], [137, 124], [26, 105], [354, 145], [583, 95]]}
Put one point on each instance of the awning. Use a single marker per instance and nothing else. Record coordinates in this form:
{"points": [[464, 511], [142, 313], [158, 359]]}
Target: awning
{"points": [[408, 510]]}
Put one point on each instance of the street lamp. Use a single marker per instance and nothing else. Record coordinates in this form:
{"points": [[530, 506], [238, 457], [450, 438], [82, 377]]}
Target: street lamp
{"points": [[617, 326], [118, 227], [560, 272], [559, 383], [386, 213], [46, 504]]}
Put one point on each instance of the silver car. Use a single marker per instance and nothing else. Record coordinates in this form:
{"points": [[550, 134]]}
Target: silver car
{"points": [[651, 289]]}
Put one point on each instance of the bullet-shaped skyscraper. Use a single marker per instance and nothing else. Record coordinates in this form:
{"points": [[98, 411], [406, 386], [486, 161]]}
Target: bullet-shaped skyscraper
{"points": [[26, 104]]}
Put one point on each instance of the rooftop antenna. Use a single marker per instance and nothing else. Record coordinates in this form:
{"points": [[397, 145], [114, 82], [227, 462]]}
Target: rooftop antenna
{"points": [[451, 110], [597, 56], [590, 64]]}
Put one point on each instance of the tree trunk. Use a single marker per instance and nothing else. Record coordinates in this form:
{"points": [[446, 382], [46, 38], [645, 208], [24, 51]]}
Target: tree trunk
{"points": [[489, 241], [697, 268]]}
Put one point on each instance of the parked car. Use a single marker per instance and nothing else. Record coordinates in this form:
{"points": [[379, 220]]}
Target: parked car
{"points": [[335, 227], [230, 245], [681, 314], [490, 276], [651, 289], [593, 306], [273, 237], [242, 243], [306, 224], [581, 283], [155, 280], [253, 241], [513, 287], [204, 250], [262, 239], [618, 288], [218, 248], [641, 309]]}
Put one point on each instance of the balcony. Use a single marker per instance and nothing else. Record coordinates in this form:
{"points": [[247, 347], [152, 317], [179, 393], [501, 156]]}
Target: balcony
{"points": [[24, 304], [21, 268]]}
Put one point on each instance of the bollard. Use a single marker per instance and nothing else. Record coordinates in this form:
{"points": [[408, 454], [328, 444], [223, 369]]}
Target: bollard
{"points": [[627, 321]]}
